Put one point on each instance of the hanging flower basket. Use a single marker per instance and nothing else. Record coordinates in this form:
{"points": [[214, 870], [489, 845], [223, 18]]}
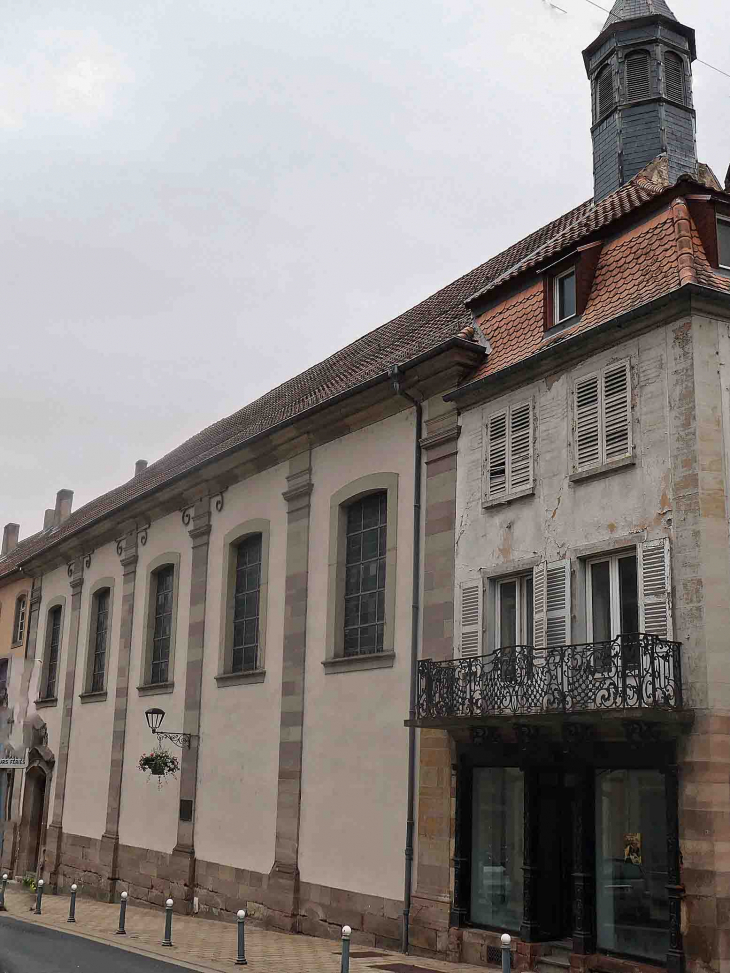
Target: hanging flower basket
{"points": [[160, 764]]}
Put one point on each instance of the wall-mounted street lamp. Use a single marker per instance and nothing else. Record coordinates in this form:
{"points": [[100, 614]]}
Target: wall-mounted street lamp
{"points": [[154, 717]]}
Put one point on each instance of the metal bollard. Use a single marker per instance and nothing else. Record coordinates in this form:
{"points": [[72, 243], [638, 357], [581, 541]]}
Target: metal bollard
{"points": [[167, 941], [2, 893], [506, 954], [39, 896], [72, 905], [346, 933], [122, 914], [240, 919]]}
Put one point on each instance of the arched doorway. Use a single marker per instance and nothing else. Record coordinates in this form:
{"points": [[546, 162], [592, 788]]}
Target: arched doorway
{"points": [[34, 813]]}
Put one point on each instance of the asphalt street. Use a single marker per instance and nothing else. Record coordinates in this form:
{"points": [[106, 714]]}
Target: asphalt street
{"points": [[27, 948]]}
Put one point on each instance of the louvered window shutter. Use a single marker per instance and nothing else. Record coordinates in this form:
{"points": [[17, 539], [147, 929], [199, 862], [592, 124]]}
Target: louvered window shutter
{"points": [[655, 588], [587, 423], [616, 412], [539, 602], [496, 471], [605, 90], [470, 618], [557, 603], [638, 76], [674, 76], [520, 448]]}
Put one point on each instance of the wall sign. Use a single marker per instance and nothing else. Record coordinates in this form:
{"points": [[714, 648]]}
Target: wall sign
{"points": [[14, 763]]}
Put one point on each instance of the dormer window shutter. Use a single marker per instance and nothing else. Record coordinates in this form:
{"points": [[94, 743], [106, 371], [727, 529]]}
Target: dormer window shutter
{"points": [[587, 422], [509, 453], [655, 588], [674, 77], [617, 412], [469, 618], [638, 76]]}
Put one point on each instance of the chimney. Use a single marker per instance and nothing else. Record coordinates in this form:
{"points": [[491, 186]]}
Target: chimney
{"points": [[727, 180], [140, 466], [64, 501], [10, 538]]}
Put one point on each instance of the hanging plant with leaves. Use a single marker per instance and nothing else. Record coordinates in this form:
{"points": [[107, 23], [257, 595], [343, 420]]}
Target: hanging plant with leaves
{"points": [[159, 763]]}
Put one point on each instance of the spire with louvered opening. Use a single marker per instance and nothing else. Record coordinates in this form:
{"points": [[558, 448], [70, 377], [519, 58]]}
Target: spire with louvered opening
{"points": [[631, 9], [640, 68]]}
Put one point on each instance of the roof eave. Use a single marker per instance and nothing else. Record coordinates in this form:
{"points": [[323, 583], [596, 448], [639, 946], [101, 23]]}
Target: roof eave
{"points": [[474, 351], [622, 25], [559, 349]]}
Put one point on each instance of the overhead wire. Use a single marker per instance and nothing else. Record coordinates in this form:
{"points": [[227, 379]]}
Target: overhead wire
{"points": [[607, 11]]}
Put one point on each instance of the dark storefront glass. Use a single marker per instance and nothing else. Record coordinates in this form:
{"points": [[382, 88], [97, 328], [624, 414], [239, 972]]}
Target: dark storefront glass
{"points": [[632, 908], [497, 834]]}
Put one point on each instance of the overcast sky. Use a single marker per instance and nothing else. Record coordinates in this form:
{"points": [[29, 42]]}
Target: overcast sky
{"points": [[201, 198]]}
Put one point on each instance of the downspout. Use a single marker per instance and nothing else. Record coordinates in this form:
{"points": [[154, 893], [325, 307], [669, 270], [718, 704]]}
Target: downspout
{"points": [[394, 373]]}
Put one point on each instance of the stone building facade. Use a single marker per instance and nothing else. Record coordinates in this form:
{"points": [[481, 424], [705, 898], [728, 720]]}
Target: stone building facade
{"points": [[501, 519]]}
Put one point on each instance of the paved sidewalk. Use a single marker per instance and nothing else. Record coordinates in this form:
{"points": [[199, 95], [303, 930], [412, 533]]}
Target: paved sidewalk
{"points": [[205, 944]]}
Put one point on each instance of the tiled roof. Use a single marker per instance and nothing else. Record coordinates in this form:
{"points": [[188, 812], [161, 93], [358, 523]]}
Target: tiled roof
{"points": [[441, 316]]}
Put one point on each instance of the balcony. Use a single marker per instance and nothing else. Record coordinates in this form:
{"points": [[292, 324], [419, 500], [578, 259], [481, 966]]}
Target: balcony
{"points": [[631, 672]]}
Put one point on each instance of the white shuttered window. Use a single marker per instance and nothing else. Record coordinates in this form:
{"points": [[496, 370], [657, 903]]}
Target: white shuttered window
{"points": [[655, 588], [602, 416], [551, 601], [469, 618], [509, 455]]}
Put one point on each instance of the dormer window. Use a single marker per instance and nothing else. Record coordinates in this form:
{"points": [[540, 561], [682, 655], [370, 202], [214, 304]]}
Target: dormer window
{"points": [[564, 298], [723, 242], [638, 76]]}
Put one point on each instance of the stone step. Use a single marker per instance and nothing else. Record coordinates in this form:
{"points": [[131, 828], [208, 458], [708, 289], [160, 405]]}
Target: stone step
{"points": [[553, 963]]}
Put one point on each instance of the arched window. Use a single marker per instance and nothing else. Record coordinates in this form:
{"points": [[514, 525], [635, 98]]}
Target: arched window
{"points": [[246, 607], [604, 91], [162, 610], [367, 524], [19, 622], [674, 77], [100, 622], [638, 76], [53, 646]]}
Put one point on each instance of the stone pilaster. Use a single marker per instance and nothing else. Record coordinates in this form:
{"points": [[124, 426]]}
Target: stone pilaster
{"points": [[431, 909], [54, 833], [109, 848], [283, 887], [183, 855]]}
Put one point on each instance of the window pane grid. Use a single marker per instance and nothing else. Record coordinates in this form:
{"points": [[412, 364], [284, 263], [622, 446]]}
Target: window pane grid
{"points": [[163, 625], [100, 636], [247, 599], [365, 575], [54, 640], [19, 626], [723, 236]]}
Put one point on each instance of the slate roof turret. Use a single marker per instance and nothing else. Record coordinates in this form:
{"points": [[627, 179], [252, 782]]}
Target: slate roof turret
{"points": [[631, 9]]}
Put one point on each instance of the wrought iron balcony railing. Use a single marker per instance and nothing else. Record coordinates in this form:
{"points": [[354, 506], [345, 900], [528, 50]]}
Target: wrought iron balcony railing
{"points": [[629, 672]]}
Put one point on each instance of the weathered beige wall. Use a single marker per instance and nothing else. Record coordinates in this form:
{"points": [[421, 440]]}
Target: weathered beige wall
{"points": [[149, 815], [355, 744], [632, 503], [235, 821], [87, 781]]}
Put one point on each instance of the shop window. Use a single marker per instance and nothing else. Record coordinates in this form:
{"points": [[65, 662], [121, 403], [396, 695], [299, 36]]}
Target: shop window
{"points": [[632, 907], [497, 847]]}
